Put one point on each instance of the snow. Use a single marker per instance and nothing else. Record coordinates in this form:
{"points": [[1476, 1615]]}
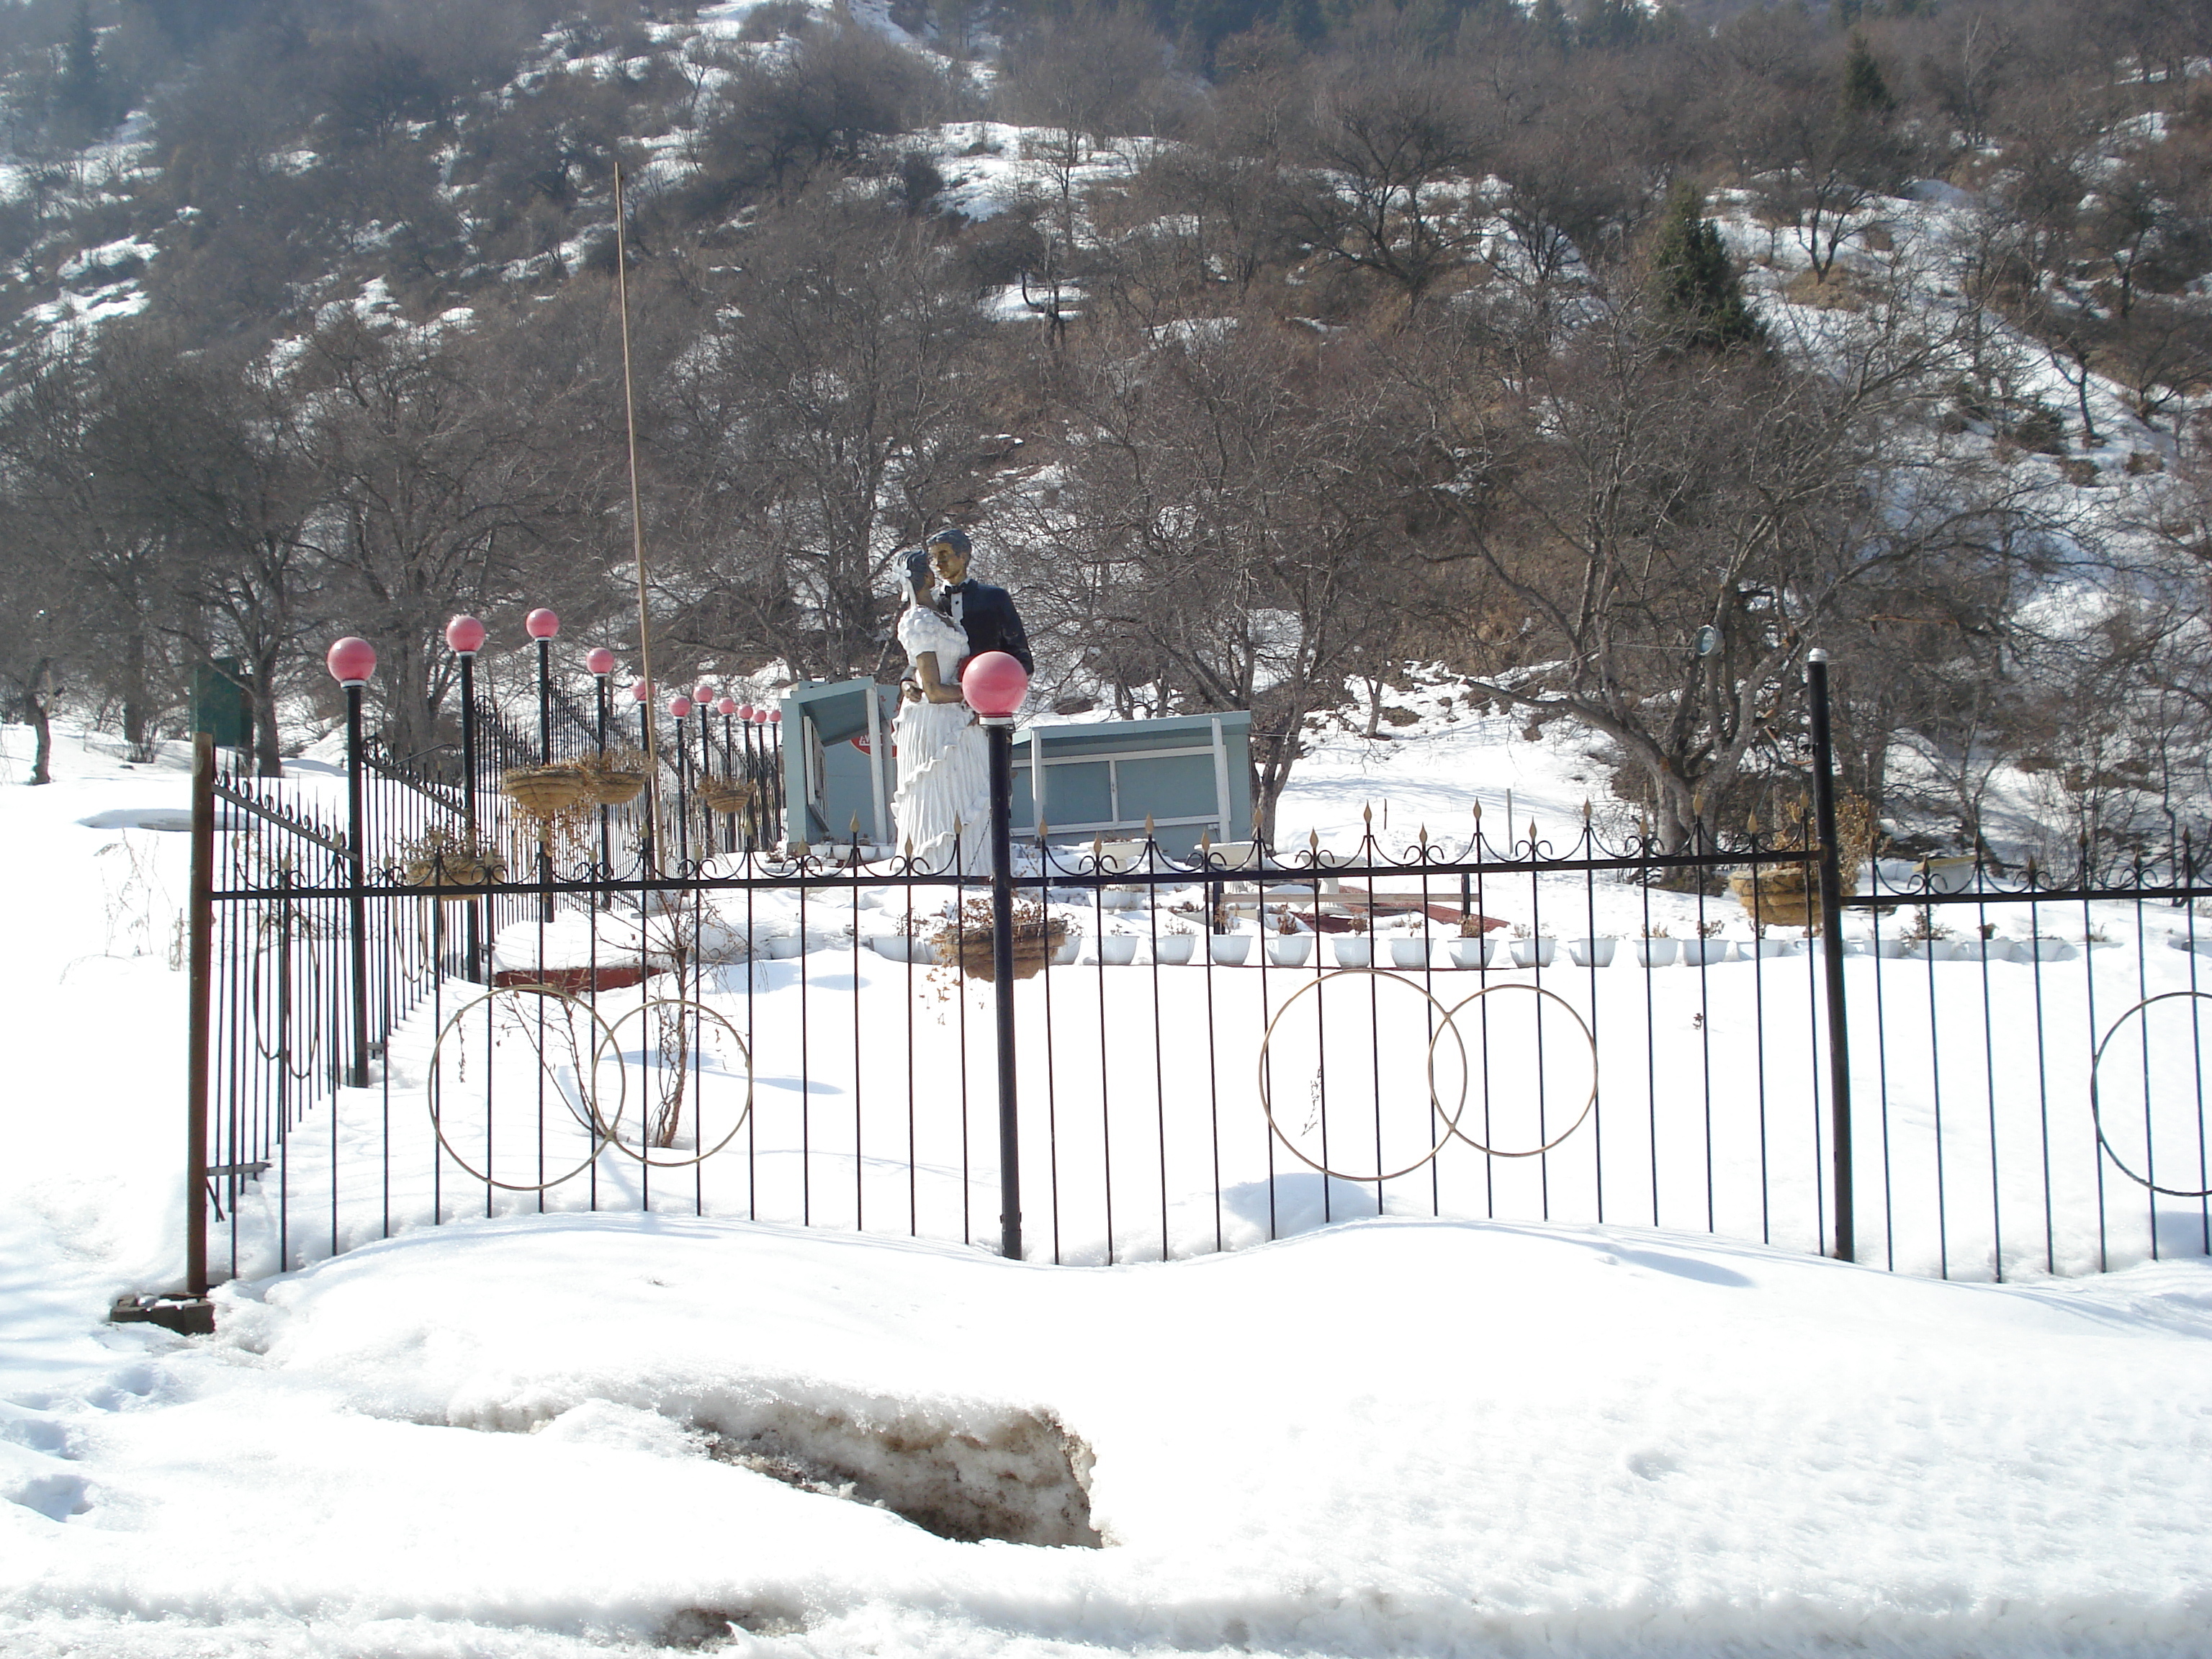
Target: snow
{"points": [[547, 1434]]}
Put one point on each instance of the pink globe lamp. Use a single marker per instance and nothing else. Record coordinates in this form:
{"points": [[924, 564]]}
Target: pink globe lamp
{"points": [[600, 662], [466, 635], [994, 684], [641, 691], [351, 661], [726, 707], [703, 692], [541, 624], [680, 706]]}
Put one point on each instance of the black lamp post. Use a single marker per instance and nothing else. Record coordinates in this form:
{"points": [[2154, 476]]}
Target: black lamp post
{"points": [[466, 635], [351, 661], [994, 684]]}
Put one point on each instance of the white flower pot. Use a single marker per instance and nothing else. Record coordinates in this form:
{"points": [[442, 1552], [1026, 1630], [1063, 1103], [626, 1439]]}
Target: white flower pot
{"points": [[1117, 949], [1703, 952], [1981, 950], [2042, 948], [1229, 949], [1352, 950], [1174, 949], [1473, 952], [1591, 953], [890, 946], [1535, 953], [1290, 950], [1065, 951], [1770, 947], [784, 946], [1655, 952], [1887, 946], [1413, 953], [1227, 856], [1121, 855], [1927, 950]]}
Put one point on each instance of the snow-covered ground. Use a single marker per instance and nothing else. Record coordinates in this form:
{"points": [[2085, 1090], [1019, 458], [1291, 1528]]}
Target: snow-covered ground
{"points": [[550, 1435]]}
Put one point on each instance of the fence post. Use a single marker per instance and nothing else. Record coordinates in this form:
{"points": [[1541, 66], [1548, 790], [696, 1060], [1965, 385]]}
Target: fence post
{"points": [[465, 635], [201, 966], [994, 684], [351, 661], [1832, 951]]}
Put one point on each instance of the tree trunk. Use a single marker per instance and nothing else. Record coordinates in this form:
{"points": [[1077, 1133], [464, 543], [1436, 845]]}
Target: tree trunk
{"points": [[35, 705]]}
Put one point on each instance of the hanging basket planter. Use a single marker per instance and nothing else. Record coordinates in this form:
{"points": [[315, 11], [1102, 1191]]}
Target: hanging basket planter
{"points": [[546, 793], [616, 777], [441, 859], [1036, 937], [727, 796]]}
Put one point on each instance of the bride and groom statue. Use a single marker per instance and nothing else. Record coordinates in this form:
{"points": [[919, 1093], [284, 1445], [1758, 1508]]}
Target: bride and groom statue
{"points": [[944, 797]]}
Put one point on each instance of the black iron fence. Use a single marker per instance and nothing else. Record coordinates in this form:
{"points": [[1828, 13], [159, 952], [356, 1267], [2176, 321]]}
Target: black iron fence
{"points": [[417, 1001]]}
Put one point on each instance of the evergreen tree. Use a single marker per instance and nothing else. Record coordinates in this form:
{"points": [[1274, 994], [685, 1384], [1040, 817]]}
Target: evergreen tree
{"points": [[1550, 24], [1865, 93], [80, 96], [1693, 282]]}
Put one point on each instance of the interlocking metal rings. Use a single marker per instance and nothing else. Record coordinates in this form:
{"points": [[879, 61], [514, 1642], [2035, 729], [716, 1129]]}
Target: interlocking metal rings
{"points": [[1267, 1093], [643, 1154], [602, 1131], [1589, 1101], [1447, 1022], [2096, 1111]]}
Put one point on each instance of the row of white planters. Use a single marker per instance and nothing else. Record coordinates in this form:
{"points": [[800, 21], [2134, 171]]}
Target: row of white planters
{"points": [[1357, 950]]}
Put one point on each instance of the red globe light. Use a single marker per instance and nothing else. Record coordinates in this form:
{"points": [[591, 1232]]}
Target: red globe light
{"points": [[749, 713], [601, 661], [727, 706], [466, 635], [994, 684], [703, 692], [541, 624], [680, 706], [776, 717], [351, 661], [642, 691]]}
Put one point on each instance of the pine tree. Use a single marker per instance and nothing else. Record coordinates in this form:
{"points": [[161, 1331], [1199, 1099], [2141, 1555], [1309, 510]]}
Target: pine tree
{"points": [[1865, 93], [1548, 21], [81, 95], [1692, 281]]}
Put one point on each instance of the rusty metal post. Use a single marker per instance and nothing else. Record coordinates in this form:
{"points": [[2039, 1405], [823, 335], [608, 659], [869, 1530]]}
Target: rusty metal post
{"points": [[201, 970], [1832, 952]]}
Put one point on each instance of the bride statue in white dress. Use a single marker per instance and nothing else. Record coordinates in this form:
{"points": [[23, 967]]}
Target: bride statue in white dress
{"points": [[943, 764]]}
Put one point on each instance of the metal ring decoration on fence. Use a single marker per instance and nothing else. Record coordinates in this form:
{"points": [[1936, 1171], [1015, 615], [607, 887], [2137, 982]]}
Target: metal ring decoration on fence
{"points": [[1267, 1093], [614, 1129], [1589, 1103], [2096, 1113], [601, 1131]]}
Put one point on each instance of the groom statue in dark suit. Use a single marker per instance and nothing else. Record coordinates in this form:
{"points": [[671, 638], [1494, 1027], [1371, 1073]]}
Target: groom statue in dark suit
{"points": [[985, 613]]}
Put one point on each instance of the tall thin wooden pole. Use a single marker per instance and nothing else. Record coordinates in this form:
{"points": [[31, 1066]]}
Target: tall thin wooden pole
{"points": [[636, 534]]}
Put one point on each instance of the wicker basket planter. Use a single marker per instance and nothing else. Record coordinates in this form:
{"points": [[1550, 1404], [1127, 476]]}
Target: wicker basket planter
{"points": [[1778, 896], [441, 859], [547, 792], [727, 796], [1035, 941], [616, 785]]}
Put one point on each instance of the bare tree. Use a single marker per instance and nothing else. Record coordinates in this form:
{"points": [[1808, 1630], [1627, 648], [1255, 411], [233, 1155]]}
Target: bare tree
{"points": [[833, 418], [1628, 496], [1225, 531]]}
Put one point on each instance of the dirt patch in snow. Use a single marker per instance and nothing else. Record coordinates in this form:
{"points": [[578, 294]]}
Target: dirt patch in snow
{"points": [[1023, 1477]]}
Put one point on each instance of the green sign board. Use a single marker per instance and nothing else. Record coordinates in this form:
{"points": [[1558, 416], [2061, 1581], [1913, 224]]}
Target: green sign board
{"points": [[221, 707]]}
